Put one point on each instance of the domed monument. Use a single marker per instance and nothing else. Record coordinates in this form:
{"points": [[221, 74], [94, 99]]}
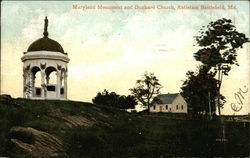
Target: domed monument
{"points": [[45, 69]]}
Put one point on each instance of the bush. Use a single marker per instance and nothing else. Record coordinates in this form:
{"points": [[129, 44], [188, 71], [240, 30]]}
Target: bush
{"points": [[115, 100]]}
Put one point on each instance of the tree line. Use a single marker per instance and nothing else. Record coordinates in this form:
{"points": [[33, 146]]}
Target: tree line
{"points": [[219, 42]]}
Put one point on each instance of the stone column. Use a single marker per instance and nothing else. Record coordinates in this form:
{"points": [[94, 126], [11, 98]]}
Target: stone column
{"points": [[58, 85], [28, 84], [33, 78], [47, 79], [65, 85], [24, 82], [43, 83]]}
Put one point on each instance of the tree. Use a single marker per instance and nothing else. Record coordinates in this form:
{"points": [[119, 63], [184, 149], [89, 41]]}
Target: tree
{"points": [[200, 91], [115, 100], [127, 102], [146, 90], [219, 42]]}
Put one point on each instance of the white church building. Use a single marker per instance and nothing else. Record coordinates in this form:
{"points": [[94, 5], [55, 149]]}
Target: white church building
{"points": [[45, 69], [170, 103]]}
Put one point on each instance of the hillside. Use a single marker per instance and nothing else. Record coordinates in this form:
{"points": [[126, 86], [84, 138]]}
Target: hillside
{"points": [[50, 128]]}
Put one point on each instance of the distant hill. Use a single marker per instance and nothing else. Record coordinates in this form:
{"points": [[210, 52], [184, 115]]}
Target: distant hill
{"points": [[70, 129]]}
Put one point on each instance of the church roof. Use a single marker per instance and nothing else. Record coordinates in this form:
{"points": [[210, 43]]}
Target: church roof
{"points": [[45, 43], [167, 98]]}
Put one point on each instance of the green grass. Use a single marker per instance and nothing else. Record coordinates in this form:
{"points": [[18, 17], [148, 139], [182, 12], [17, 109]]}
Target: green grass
{"points": [[128, 134]]}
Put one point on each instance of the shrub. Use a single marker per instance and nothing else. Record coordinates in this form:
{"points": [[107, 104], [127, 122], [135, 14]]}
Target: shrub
{"points": [[115, 100]]}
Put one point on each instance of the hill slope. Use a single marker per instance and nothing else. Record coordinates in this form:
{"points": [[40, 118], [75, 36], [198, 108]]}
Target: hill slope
{"points": [[47, 128]]}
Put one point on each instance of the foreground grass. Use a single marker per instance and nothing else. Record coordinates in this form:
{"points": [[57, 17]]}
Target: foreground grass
{"points": [[128, 134]]}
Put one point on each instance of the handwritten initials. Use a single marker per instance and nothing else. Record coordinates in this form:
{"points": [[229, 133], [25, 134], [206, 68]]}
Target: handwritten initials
{"points": [[239, 97]]}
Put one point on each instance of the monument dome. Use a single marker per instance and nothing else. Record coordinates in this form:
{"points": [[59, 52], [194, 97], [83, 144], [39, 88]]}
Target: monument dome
{"points": [[45, 43], [45, 69]]}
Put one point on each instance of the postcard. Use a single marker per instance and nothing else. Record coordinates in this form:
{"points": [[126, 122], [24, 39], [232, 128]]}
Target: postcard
{"points": [[75, 50]]}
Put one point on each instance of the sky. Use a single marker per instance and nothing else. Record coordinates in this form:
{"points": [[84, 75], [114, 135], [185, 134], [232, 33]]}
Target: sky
{"points": [[112, 48]]}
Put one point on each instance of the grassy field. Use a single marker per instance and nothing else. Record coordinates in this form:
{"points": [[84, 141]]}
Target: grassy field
{"points": [[118, 133]]}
